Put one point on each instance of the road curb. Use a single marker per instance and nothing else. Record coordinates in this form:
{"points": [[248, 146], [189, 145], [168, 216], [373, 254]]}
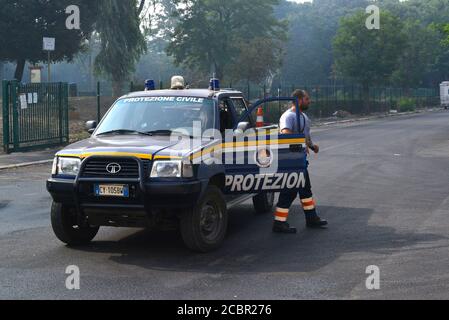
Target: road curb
{"points": [[391, 115], [26, 164]]}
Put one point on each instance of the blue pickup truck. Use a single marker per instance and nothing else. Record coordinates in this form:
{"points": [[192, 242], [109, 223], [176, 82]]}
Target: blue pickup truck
{"points": [[175, 158]]}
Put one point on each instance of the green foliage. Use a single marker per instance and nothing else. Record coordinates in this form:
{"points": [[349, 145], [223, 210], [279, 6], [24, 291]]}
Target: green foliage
{"points": [[310, 57], [122, 42], [158, 18], [312, 26], [418, 55], [446, 32], [239, 39], [428, 11], [368, 56], [24, 23], [268, 53], [210, 33], [425, 44], [406, 105]]}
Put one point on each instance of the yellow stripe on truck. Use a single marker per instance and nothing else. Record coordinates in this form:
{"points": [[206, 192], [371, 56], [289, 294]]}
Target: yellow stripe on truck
{"points": [[112, 154], [248, 144]]}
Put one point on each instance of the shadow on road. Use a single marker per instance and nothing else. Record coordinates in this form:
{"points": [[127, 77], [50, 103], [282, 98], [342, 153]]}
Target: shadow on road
{"points": [[251, 247]]}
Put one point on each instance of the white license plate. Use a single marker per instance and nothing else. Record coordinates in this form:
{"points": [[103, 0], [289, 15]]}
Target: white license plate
{"points": [[109, 190]]}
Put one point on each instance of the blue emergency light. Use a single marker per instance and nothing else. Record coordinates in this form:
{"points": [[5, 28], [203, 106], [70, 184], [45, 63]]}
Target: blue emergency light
{"points": [[149, 85], [214, 84]]}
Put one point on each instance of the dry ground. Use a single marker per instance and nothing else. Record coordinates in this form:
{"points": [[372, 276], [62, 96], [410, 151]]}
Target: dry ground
{"points": [[83, 109]]}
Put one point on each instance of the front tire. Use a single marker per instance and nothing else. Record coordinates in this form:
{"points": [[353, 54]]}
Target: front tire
{"points": [[264, 203], [204, 227], [66, 229]]}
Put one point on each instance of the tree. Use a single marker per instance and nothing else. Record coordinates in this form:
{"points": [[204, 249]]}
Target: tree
{"points": [[417, 56], [427, 36], [446, 30], [155, 64], [368, 56], [122, 42], [158, 18], [312, 26], [209, 32], [24, 23], [269, 57], [309, 53]]}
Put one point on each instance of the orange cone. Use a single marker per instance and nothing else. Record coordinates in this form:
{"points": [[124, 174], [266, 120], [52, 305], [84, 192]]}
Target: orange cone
{"points": [[260, 121]]}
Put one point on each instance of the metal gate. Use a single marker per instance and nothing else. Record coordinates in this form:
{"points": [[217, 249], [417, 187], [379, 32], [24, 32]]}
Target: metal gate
{"points": [[34, 115]]}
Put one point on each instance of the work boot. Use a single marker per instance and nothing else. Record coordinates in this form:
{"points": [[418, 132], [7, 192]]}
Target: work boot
{"points": [[283, 227], [316, 223]]}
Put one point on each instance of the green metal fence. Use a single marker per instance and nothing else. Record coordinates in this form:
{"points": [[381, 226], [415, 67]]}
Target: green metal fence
{"points": [[329, 99], [34, 115]]}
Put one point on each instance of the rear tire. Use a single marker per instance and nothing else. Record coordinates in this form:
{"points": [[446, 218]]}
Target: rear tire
{"points": [[204, 227], [66, 229], [264, 203]]}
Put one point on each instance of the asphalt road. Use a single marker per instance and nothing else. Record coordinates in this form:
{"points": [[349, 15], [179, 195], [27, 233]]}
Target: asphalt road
{"points": [[383, 185]]}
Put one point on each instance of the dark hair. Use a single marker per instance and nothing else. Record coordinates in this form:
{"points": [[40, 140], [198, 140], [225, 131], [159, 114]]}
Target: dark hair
{"points": [[299, 94]]}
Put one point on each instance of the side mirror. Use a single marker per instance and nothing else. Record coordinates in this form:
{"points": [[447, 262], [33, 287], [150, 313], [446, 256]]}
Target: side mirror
{"points": [[242, 128], [91, 126]]}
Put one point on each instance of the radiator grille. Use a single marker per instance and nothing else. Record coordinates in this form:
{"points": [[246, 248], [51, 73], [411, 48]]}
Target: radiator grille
{"points": [[129, 168]]}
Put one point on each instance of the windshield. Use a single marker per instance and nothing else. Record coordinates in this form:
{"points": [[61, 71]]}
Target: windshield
{"points": [[159, 115]]}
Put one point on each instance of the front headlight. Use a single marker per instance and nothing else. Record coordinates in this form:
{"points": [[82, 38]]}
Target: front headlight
{"points": [[68, 166], [171, 169]]}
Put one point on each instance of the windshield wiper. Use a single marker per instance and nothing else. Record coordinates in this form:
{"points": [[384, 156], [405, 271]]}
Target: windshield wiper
{"points": [[159, 132], [124, 131], [169, 133]]}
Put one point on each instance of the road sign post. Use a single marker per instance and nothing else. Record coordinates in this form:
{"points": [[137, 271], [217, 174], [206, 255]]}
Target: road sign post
{"points": [[49, 67], [49, 46]]}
